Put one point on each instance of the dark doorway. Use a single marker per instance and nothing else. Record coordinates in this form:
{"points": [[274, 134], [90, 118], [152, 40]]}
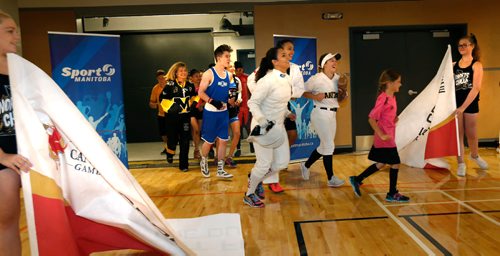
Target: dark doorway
{"points": [[414, 51], [247, 58], [142, 54]]}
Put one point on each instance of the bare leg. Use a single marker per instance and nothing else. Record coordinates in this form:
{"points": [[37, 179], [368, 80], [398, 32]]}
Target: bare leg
{"points": [[10, 242], [470, 125], [292, 136], [460, 158]]}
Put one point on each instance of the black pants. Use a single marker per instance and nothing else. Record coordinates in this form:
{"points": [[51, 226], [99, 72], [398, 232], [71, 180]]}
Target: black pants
{"points": [[178, 131]]}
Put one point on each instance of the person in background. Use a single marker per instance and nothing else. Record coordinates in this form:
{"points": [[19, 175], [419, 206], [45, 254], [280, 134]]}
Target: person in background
{"points": [[175, 100], [244, 115], [154, 102], [214, 90], [196, 112], [11, 163], [382, 119], [233, 111], [468, 73]]}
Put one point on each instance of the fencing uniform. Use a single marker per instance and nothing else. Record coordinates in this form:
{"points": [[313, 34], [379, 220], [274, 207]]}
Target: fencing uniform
{"points": [[269, 102]]}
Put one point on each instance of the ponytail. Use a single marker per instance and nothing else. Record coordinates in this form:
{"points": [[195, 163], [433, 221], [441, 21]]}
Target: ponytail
{"points": [[476, 53], [266, 63]]}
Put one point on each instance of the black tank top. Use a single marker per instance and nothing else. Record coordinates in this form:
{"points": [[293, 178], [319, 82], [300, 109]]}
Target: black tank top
{"points": [[7, 129], [463, 83]]}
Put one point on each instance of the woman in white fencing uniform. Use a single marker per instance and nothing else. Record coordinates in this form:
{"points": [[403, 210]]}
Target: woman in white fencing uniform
{"points": [[268, 105], [297, 90], [324, 89]]}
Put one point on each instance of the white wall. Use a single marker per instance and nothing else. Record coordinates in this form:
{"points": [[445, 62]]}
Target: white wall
{"points": [[177, 23]]}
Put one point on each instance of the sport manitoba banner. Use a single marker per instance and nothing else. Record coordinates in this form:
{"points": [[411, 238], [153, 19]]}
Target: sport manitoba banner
{"points": [[80, 198], [305, 58], [427, 127], [88, 69]]}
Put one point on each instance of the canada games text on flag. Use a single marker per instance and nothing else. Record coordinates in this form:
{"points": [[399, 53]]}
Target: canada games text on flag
{"points": [[79, 197], [427, 127]]}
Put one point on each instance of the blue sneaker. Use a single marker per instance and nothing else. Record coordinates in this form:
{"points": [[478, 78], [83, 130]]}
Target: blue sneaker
{"points": [[397, 197], [259, 191], [253, 201], [355, 186]]}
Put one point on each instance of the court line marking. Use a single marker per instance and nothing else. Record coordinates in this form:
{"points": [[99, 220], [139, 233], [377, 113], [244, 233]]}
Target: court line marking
{"points": [[430, 238], [444, 202], [472, 209], [403, 227]]}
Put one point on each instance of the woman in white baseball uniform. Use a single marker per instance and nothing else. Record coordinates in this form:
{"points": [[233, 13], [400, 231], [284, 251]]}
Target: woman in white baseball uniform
{"points": [[323, 89], [297, 90], [268, 104]]}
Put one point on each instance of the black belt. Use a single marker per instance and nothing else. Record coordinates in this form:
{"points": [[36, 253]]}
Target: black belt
{"points": [[325, 108]]}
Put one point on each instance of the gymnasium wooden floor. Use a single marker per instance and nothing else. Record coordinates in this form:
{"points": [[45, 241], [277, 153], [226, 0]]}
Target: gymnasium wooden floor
{"points": [[447, 215]]}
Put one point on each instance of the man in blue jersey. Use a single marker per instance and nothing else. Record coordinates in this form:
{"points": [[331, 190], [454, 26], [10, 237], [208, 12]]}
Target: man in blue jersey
{"points": [[214, 89]]}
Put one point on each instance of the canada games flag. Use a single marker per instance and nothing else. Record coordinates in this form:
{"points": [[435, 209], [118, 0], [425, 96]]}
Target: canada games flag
{"points": [[79, 197], [427, 127]]}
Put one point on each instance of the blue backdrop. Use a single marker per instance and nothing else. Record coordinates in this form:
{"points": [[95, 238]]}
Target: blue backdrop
{"points": [[88, 69], [305, 57]]}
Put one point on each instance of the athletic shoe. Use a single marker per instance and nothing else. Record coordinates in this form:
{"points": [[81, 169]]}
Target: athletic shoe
{"points": [[480, 162], [204, 167], [253, 201], [237, 153], [335, 182], [223, 174], [230, 162], [276, 188], [164, 152], [305, 171], [184, 170], [355, 186], [397, 197], [170, 158], [461, 170], [259, 191]]}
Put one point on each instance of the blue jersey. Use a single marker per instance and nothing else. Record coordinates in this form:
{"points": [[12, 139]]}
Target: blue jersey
{"points": [[219, 88]]}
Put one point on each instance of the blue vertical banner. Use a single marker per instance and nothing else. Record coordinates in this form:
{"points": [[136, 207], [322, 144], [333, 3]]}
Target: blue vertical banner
{"points": [[305, 57], [87, 67]]}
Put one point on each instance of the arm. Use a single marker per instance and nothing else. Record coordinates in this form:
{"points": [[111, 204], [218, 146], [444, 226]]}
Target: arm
{"points": [[251, 82], [298, 87], [476, 87], [254, 103], [378, 131], [153, 99], [206, 78]]}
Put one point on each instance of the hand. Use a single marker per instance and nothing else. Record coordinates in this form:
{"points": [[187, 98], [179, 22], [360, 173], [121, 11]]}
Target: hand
{"points": [[460, 111], [385, 137], [292, 116], [15, 162], [320, 96], [343, 80], [231, 102], [217, 104], [342, 94]]}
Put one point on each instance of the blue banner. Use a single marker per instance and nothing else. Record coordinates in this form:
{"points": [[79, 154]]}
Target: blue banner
{"points": [[305, 57], [88, 69]]}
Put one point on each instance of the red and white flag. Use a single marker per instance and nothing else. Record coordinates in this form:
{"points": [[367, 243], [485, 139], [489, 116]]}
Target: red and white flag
{"points": [[427, 129], [79, 197]]}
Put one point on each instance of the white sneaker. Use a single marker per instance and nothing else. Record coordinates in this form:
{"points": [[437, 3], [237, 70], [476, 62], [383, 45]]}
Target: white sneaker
{"points": [[221, 173], [480, 162], [305, 171], [461, 170], [335, 182], [204, 167]]}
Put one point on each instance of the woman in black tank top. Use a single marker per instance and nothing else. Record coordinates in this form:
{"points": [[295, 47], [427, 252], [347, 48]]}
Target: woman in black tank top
{"points": [[10, 162], [468, 73]]}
